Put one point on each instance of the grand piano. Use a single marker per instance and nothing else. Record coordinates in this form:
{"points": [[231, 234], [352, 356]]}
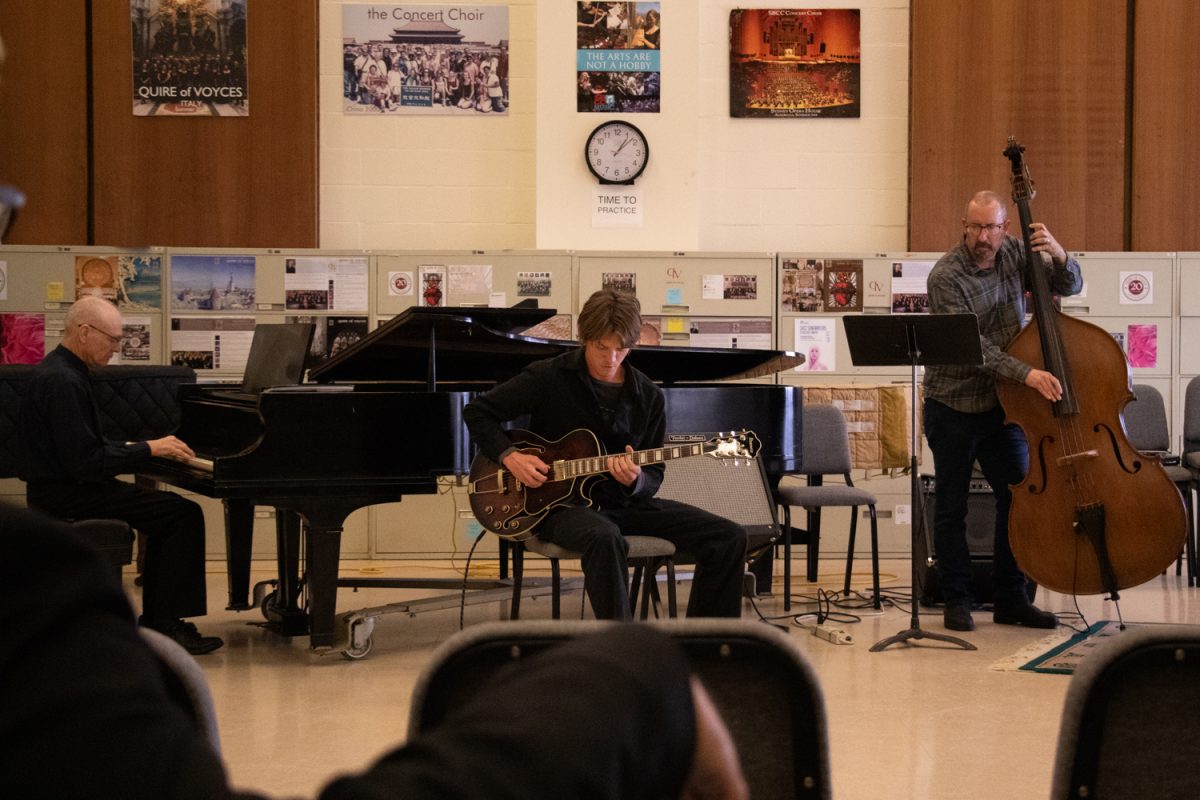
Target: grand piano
{"points": [[383, 419]]}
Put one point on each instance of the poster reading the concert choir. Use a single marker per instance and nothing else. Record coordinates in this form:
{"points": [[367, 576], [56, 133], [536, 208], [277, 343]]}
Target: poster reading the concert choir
{"points": [[189, 58], [617, 59], [791, 62], [425, 59]]}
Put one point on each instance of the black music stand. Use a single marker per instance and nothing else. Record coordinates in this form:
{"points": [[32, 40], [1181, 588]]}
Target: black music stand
{"points": [[892, 340]]}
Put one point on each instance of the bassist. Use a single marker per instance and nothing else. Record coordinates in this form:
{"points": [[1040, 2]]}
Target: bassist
{"points": [[964, 421], [592, 387]]}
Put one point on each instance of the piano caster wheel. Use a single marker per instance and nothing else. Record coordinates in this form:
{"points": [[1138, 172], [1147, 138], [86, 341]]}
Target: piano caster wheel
{"points": [[362, 639], [267, 604]]}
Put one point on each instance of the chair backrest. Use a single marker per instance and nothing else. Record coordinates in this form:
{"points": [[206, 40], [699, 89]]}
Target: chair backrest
{"points": [[1191, 416], [826, 442], [1128, 727], [768, 695], [1146, 420], [186, 684]]}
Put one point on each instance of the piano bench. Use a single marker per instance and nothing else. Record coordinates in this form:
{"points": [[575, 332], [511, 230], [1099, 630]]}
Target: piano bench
{"points": [[646, 555], [113, 537]]}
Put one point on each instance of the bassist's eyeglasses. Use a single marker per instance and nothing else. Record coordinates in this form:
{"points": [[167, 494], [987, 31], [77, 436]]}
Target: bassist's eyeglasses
{"points": [[975, 228]]}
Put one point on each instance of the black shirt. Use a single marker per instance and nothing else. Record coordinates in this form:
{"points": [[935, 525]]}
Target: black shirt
{"points": [[60, 437], [559, 396]]}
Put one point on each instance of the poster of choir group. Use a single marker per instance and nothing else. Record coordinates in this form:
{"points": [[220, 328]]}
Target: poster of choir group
{"points": [[424, 59], [189, 58], [792, 62]]}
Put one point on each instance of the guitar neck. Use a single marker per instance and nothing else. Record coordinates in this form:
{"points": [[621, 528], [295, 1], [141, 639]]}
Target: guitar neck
{"points": [[596, 465]]}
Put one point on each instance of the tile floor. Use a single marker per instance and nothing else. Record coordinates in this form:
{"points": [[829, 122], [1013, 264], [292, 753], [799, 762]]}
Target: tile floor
{"points": [[910, 722]]}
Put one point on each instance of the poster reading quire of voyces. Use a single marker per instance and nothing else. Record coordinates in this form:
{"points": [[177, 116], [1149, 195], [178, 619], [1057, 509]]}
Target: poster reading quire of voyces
{"points": [[794, 62], [425, 59], [189, 58]]}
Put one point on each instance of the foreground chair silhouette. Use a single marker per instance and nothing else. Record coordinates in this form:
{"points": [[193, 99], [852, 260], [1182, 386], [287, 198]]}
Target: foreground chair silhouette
{"points": [[766, 691], [1129, 727]]}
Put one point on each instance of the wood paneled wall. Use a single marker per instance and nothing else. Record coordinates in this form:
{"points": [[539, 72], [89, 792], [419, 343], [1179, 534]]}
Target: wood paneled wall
{"points": [[43, 118], [1165, 209], [1052, 74], [196, 181]]}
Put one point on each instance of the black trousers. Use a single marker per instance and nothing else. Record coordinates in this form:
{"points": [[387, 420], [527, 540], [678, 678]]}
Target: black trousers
{"points": [[717, 545], [172, 529]]}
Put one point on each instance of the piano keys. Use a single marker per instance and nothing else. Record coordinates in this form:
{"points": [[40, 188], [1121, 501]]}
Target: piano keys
{"points": [[383, 419]]}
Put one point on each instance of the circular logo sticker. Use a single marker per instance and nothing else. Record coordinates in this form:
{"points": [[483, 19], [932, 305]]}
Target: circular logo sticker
{"points": [[400, 283], [1135, 286]]}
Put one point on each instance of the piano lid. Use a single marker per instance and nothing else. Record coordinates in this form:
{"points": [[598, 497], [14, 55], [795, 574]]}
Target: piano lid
{"points": [[484, 344]]}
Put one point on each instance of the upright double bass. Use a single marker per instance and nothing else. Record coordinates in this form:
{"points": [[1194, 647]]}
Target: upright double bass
{"points": [[1093, 514]]}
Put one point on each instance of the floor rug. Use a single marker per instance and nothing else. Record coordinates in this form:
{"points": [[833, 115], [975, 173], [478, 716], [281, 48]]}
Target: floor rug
{"points": [[1060, 653]]}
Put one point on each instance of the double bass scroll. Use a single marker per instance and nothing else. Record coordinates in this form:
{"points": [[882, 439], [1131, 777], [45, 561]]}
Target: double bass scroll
{"points": [[1093, 515]]}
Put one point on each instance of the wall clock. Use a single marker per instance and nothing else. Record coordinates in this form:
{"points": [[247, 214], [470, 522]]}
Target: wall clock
{"points": [[616, 152]]}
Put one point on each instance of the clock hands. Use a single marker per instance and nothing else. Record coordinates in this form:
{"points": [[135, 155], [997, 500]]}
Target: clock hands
{"points": [[622, 147]]}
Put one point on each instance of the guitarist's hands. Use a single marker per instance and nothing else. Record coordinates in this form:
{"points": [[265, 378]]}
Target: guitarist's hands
{"points": [[622, 468], [528, 468]]}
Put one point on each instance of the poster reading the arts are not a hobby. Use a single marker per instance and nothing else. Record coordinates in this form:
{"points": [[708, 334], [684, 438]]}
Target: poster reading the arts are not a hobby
{"points": [[189, 58]]}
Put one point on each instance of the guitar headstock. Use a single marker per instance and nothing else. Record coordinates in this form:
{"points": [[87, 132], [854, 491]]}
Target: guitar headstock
{"points": [[1022, 184], [735, 444]]}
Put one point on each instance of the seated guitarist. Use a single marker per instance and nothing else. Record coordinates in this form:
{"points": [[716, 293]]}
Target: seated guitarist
{"points": [[593, 388]]}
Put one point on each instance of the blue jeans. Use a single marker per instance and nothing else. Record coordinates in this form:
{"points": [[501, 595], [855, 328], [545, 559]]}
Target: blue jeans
{"points": [[958, 440]]}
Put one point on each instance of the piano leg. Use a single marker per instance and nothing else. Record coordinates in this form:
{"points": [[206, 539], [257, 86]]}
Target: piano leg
{"points": [[324, 544], [285, 612], [239, 537]]}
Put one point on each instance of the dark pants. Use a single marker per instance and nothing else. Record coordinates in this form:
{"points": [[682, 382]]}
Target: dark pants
{"points": [[717, 545], [957, 440], [172, 529]]}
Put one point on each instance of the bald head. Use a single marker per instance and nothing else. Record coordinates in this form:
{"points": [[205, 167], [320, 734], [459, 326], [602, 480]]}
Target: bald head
{"points": [[93, 330], [985, 201]]}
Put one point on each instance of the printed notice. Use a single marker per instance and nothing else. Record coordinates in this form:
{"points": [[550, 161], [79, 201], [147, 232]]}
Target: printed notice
{"points": [[617, 207]]}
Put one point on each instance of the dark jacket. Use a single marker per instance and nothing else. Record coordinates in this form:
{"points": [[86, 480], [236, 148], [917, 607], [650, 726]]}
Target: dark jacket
{"points": [[557, 397]]}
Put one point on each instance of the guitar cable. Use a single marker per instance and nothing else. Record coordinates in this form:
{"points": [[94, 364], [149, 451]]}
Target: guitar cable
{"points": [[462, 602]]}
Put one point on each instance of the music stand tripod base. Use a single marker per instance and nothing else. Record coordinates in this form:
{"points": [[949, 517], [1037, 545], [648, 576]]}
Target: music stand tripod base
{"points": [[892, 340]]}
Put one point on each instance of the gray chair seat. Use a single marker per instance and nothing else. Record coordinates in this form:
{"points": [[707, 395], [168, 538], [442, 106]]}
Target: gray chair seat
{"points": [[646, 554], [825, 495]]}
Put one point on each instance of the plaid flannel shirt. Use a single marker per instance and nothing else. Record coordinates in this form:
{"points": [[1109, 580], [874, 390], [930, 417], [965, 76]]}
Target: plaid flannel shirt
{"points": [[997, 297]]}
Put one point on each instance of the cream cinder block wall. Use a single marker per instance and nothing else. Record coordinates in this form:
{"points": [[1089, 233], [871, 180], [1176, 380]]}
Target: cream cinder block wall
{"points": [[714, 183], [444, 182], [720, 184]]}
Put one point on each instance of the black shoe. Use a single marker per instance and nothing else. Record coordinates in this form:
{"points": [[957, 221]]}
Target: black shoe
{"points": [[1025, 614], [186, 635], [957, 617]]}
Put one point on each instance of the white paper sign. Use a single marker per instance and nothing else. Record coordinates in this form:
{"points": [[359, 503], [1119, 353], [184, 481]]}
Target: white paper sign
{"points": [[617, 207]]}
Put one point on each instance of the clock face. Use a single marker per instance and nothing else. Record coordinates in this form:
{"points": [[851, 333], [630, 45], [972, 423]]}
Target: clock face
{"points": [[617, 152]]}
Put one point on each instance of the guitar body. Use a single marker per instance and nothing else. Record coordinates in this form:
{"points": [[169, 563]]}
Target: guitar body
{"points": [[510, 509]]}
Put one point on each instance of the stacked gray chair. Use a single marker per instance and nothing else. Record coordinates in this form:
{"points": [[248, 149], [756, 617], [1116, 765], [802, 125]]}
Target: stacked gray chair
{"points": [[826, 451], [1147, 430]]}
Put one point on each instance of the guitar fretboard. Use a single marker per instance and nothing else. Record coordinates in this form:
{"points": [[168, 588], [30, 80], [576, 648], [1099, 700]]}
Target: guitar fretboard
{"points": [[598, 464]]}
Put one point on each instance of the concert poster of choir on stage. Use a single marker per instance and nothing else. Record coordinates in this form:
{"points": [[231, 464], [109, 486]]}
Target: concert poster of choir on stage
{"points": [[425, 59], [189, 58], [792, 62], [617, 61]]}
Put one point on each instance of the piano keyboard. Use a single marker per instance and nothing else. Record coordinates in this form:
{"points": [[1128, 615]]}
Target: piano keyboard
{"points": [[203, 464]]}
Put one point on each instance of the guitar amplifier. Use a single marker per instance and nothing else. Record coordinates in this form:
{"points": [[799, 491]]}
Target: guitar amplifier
{"points": [[981, 524]]}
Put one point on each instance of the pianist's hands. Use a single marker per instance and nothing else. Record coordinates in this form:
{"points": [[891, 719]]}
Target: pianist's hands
{"points": [[170, 447], [529, 469]]}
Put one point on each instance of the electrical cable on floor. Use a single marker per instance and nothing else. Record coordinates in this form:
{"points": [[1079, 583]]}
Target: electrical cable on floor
{"points": [[462, 603]]}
